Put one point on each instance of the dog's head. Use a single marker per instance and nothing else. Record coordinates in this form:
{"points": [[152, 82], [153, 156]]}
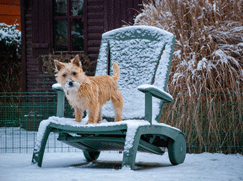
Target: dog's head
{"points": [[70, 75]]}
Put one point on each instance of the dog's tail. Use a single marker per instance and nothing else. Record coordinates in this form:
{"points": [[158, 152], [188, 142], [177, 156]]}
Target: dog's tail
{"points": [[116, 71]]}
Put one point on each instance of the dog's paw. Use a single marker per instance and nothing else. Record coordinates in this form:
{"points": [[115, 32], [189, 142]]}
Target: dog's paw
{"points": [[118, 120], [78, 120], [90, 122]]}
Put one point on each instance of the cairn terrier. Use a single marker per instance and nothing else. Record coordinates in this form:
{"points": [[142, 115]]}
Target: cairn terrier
{"points": [[89, 93]]}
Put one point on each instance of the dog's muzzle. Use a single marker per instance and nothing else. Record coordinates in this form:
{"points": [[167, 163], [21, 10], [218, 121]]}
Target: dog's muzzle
{"points": [[71, 86]]}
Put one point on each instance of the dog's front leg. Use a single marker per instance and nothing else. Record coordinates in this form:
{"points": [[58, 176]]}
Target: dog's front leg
{"points": [[93, 114], [99, 115], [78, 114]]}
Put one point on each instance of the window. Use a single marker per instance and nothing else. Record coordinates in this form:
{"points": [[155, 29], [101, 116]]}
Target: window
{"points": [[68, 25]]}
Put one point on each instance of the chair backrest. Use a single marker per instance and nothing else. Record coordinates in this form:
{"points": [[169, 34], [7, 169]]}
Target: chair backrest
{"points": [[144, 55]]}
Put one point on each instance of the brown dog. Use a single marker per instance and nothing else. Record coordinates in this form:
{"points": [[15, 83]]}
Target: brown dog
{"points": [[89, 93]]}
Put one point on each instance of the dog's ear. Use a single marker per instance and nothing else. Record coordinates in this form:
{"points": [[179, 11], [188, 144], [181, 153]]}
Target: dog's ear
{"points": [[76, 61], [59, 65]]}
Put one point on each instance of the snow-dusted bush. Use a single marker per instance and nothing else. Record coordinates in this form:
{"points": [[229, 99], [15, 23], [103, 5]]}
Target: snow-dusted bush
{"points": [[10, 55], [9, 35], [209, 42], [206, 76]]}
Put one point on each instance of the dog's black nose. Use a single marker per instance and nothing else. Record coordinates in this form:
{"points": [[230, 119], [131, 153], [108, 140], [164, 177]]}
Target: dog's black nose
{"points": [[70, 83]]}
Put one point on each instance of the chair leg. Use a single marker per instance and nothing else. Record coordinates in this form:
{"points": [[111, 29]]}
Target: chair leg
{"points": [[130, 150], [38, 156], [177, 149]]}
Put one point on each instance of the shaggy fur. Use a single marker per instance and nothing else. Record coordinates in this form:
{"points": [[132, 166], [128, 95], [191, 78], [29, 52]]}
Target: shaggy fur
{"points": [[89, 93]]}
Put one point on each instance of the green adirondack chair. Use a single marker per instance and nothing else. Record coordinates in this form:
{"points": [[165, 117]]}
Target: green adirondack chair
{"points": [[144, 56]]}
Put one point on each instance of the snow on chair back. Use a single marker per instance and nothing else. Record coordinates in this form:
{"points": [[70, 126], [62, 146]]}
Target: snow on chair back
{"points": [[144, 56]]}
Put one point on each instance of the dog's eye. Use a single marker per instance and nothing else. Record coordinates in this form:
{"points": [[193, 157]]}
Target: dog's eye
{"points": [[64, 75], [74, 73]]}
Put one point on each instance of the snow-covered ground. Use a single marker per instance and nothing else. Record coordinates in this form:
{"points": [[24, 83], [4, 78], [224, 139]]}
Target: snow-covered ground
{"points": [[72, 166]]}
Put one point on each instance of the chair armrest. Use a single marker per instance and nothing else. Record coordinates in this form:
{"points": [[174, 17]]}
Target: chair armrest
{"points": [[57, 87], [156, 92], [60, 99]]}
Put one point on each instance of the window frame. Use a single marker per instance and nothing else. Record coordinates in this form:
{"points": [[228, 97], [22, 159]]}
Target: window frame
{"points": [[69, 17]]}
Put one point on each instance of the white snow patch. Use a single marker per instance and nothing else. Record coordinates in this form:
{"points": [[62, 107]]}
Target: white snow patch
{"points": [[57, 86], [240, 44], [176, 77], [132, 127], [177, 53], [215, 7], [202, 64], [238, 29], [72, 166]]}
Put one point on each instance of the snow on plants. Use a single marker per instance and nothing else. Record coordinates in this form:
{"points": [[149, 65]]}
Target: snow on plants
{"points": [[208, 42], [206, 68], [9, 34]]}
